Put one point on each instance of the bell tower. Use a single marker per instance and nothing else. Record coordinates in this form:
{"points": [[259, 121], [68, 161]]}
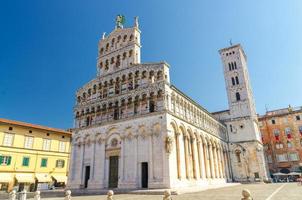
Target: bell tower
{"points": [[120, 49], [247, 155]]}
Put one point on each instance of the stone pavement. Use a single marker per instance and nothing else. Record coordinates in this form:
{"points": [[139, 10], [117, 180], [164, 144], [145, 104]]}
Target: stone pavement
{"points": [[275, 191]]}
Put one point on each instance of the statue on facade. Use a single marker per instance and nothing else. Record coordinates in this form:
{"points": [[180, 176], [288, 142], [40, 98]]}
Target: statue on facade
{"points": [[120, 21], [103, 36], [169, 144], [136, 21]]}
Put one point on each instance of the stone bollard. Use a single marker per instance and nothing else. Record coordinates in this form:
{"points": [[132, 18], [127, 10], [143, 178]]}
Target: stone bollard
{"points": [[167, 195], [12, 195], [22, 195], [37, 195], [246, 195], [67, 195], [110, 195]]}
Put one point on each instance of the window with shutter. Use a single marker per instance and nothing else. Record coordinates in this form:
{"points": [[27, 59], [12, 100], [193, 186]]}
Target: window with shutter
{"points": [[44, 162], [5, 160], [25, 161]]}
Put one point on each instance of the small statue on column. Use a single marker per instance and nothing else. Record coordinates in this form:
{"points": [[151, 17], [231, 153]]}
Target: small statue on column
{"points": [[120, 21], [136, 21]]}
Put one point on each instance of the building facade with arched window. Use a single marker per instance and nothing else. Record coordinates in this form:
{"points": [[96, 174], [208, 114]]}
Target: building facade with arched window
{"points": [[134, 129]]}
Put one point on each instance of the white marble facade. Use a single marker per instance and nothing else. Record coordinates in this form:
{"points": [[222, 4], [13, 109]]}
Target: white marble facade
{"points": [[134, 129]]}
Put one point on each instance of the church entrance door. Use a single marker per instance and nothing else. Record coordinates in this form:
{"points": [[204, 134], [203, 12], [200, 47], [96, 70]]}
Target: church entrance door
{"points": [[113, 171], [87, 176], [144, 175]]}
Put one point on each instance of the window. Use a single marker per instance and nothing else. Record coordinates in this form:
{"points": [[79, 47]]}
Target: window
{"points": [[276, 132], [10, 128], [44, 162], [300, 129], [8, 139], [298, 118], [256, 174], [237, 96], [269, 158], [5, 160], [279, 145], [282, 157], [289, 144], [28, 143], [237, 80], [233, 81], [60, 163], [235, 65], [288, 132], [230, 68], [46, 144], [231, 128], [25, 162], [62, 146], [293, 156], [151, 106], [237, 153]]}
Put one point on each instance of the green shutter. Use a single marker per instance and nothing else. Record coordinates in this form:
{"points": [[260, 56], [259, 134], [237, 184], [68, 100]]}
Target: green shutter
{"points": [[44, 162], [1, 160], [9, 160], [25, 161]]}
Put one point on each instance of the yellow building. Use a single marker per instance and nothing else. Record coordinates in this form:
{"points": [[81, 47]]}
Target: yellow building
{"points": [[32, 156]]}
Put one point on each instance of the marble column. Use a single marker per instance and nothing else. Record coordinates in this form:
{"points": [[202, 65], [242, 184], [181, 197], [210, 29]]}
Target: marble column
{"points": [[135, 169], [222, 163], [92, 162], [186, 156], [201, 160], [122, 159], [194, 158], [227, 164], [151, 158], [177, 155], [215, 162], [219, 163], [212, 169], [207, 160]]}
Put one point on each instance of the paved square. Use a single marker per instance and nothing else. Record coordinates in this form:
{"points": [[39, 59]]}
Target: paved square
{"points": [[278, 191]]}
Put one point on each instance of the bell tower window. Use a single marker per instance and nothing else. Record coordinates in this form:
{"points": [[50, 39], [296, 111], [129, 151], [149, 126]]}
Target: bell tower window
{"points": [[237, 96]]}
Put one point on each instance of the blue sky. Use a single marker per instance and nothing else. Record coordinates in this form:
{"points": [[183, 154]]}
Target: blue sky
{"points": [[49, 49]]}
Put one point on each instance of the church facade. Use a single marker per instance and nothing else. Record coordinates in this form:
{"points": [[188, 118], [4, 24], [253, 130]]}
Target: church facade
{"points": [[134, 129]]}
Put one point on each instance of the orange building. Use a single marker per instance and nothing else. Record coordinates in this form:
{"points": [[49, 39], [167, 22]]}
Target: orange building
{"points": [[282, 138]]}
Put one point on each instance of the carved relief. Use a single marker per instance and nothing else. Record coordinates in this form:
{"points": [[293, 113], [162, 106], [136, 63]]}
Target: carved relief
{"points": [[169, 144]]}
